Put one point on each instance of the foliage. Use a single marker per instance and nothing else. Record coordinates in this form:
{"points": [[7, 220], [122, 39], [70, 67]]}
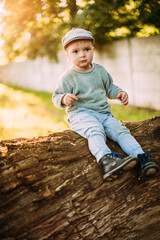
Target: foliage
{"points": [[35, 28], [117, 19]]}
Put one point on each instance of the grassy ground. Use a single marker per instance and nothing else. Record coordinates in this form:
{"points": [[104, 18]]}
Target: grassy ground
{"points": [[26, 113]]}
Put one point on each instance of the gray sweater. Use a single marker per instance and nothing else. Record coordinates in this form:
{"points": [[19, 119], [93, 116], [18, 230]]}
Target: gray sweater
{"points": [[92, 87]]}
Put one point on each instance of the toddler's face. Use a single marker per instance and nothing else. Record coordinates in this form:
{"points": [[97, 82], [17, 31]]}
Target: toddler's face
{"points": [[80, 54]]}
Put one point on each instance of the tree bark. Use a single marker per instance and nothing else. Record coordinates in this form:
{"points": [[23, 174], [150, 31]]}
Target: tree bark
{"points": [[52, 188]]}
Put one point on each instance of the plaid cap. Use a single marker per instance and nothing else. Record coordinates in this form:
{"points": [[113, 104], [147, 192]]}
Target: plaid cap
{"points": [[76, 34]]}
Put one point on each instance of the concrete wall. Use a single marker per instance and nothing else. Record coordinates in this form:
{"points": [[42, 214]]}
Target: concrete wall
{"points": [[39, 74], [135, 66], [133, 63]]}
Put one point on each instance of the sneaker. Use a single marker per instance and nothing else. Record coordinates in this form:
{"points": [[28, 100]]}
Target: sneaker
{"points": [[112, 165], [145, 167]]}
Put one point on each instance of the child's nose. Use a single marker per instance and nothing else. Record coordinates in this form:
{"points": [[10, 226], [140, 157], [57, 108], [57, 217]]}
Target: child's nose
{"points": [[82, 54]]}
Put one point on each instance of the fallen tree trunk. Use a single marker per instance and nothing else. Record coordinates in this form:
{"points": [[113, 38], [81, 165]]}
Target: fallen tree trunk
{"points": [[52, 188]]}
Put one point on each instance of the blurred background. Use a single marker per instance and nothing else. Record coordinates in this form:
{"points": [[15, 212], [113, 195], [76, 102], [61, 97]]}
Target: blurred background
{"points": [[127, 44]]}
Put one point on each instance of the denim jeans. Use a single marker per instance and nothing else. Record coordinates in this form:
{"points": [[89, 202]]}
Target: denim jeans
{"points": [[97, 126]]}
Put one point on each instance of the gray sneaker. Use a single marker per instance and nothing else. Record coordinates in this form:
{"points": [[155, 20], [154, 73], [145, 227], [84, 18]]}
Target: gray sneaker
{"points": [[112, 165]]}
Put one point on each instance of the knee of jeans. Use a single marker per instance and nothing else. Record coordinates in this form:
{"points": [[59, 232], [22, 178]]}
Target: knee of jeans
{"points": [[118, 132], [94, 131], [123, 131]]}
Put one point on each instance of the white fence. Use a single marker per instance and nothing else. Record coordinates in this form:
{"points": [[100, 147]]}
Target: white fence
{"points": [[133, 63]]}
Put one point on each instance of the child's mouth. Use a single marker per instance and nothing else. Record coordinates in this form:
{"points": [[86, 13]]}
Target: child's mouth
{"points": [[83, 61]]}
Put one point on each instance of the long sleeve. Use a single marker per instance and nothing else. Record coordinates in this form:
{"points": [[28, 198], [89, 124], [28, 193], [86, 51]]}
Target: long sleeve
{"points": [[111, 89], [61, 89]]}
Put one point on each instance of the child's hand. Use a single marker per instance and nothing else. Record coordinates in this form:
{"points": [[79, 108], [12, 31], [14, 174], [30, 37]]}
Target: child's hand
{"points": [[123, 97], [68, 99]]}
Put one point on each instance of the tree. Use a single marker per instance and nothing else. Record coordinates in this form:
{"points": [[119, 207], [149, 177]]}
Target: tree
{"points": [[52, 188], [111, 20], [31, 28], [35, 29]]}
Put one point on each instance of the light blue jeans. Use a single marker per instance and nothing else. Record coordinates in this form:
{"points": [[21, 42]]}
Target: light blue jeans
{"points": [[97, 126]]}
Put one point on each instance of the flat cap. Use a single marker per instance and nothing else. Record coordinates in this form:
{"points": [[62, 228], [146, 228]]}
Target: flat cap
{"points": [[76, 34]]}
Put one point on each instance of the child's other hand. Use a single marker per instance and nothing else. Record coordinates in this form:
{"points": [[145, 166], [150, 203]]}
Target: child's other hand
{"points": [[68, 99], [123, 97]]}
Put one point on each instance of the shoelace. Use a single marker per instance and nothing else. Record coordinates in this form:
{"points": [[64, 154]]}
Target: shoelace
{"points": [[143, 158], [117, 155]]}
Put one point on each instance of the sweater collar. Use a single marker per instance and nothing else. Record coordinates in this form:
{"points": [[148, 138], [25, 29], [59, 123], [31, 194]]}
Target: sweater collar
{"points": [[85, 72]]}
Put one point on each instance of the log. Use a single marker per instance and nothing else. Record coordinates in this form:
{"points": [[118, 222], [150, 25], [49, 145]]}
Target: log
{"points": [[52, 188]]}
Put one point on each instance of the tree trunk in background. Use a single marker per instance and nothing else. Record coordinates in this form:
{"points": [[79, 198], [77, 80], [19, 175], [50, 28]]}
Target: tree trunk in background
{"points": [[52, 188]]}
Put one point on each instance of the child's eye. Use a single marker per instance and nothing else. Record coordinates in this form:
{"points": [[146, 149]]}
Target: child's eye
{"points": [[87, 49], [75, 51]]}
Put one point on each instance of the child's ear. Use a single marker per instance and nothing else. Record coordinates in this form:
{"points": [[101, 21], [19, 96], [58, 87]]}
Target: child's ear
{"points": [[67, 55]]}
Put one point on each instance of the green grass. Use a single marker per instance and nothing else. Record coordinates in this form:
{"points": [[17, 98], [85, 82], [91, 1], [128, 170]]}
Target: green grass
{"points": [[27, 113], [133, 113]]}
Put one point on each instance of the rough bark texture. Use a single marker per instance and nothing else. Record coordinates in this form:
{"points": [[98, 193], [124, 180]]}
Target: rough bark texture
{"points": [[52, 188]]}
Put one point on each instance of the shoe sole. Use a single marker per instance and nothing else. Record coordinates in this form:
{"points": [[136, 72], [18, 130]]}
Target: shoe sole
{"points": [[129, 163], [151, 172]]}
